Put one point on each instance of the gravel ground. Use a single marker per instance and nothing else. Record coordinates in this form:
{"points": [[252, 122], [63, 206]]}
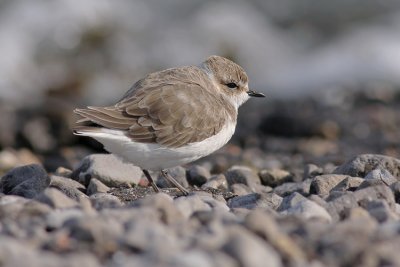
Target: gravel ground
{"points": [[302, 184]]}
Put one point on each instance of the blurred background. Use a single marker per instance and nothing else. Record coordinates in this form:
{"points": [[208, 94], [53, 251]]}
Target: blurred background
{"points": [[330, 69]]}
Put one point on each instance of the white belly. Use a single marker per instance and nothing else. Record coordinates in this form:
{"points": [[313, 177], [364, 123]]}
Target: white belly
{"points": [[155, 157]]}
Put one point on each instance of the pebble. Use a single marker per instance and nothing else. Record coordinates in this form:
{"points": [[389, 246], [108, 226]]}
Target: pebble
{"points": [[250, 250], [56, 199], [299, 205], [105, 201], [311, 170], [96, 186], [69, 187], [291, 187], [255, 200], [27, 181], [323, 184], [361, 165], [108, 169], [216, 182], [382, 174], [187, 205], [275, 177], [198, 175], [242, 175]]}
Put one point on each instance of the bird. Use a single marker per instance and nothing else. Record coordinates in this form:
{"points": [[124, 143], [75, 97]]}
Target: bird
{"points": [[171, 117]]}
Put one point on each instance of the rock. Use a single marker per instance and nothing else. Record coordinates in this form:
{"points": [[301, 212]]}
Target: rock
{"points": [[108, 169], [95, 186], [288, 188], [370, 182], [356, 213], [250, 250], [69, 187], [201, 258], [240, 189], [10, 158], [56, 218], [198, 175], [216, 182], [242, 175], [216, 203], [311, 170], [379, 209], [187, 205], [26, 181], [348, 184], [262, 224], [56, 199], [164, 204], [178, 173], [323, 184], [255, 200], [101, 233], [299, 205], [105, 201], [63, 172], [375, 193], [396, 191], [275, 177], [338, 206], [151, 237], [384, 175], [361, 165]]}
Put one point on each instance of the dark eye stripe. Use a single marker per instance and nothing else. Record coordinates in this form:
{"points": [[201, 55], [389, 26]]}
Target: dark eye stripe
{"points": [[232, 85]]}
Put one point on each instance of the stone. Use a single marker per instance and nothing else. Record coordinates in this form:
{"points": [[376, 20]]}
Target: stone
{"points": [[240, 189], [69, 187], [288, 188], [311, 170], [323, 184], [198, 175], [361, 165], [105, 201], [95, 186], [26, 181], [242, 175], [382, 174], [216, 182], [63, 172], [187, 205], [275, 177], [349, 184], [178, 173], [249, 249], [338, 206], [299, 205], [262, 224], [375, 193], [108, 169], [56, 199], [379, 209], [396, 191], [255, 200], [164, 204], [56, 218]]}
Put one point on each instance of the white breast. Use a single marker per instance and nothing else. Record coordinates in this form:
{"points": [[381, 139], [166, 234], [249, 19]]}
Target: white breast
{"points": [[156, 157]]}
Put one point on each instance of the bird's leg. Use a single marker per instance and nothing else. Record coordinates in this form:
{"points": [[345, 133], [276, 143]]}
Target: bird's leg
{"points": [[169, 178], [151, 181]]}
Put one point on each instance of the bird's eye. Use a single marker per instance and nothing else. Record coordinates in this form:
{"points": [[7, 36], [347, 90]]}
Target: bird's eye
{"points": [[231, 85]]}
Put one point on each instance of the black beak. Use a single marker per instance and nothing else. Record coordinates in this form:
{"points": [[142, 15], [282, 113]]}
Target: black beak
{"points": [[255, 94]]}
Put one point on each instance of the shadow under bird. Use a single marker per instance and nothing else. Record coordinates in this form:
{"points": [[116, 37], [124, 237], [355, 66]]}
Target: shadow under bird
{"points": [[171, 117]]}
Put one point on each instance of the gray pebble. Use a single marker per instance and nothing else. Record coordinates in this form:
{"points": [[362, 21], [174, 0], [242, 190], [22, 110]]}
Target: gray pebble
{"points": [[275, 177], [242, 175], [56, 199], [384, 175], [255, 200], [26, 181], [187, 205], [361, 165], [299, 205], [311, 170], [323, 184], [198, 175], [250, 250], [217, 182], [379, 209], [290, 187], [104, 201], [96, 186], [107, 168]]}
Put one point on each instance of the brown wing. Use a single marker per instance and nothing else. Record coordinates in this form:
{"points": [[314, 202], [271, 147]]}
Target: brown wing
{"points": [[171, 111]]}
